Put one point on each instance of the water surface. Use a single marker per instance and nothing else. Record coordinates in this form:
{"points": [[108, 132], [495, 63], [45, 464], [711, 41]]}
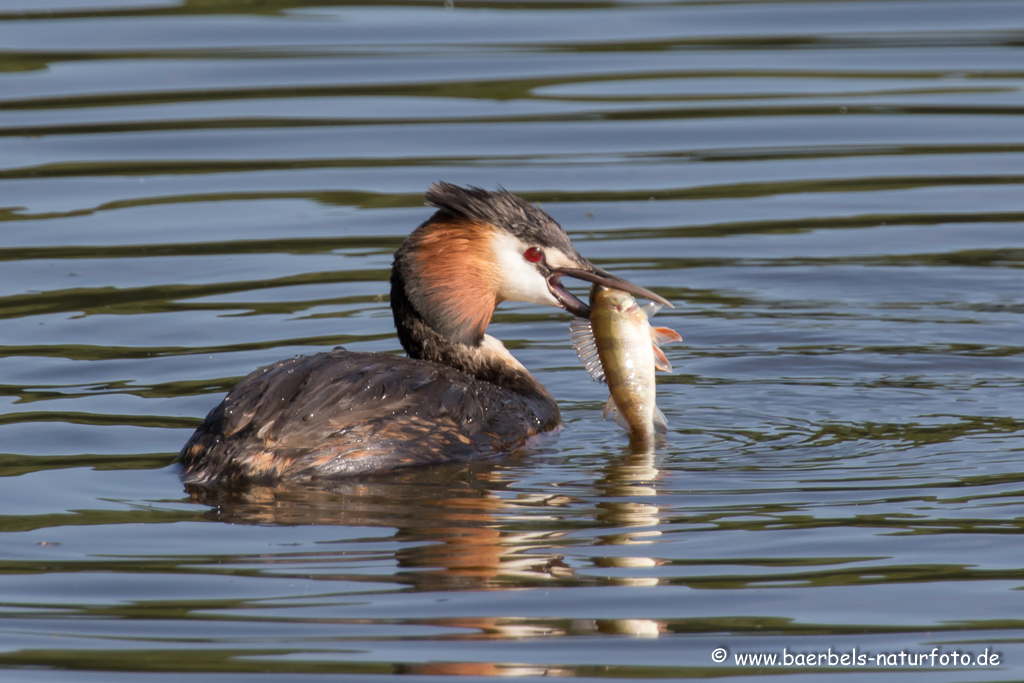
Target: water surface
{"points": [[832, 193]]}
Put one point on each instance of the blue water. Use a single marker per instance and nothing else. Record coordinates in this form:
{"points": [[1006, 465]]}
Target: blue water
{"points": [[829, 192]]}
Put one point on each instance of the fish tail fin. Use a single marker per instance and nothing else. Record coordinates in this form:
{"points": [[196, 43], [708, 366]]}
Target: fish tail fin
{"points": [[582, 336], [612, 410]]}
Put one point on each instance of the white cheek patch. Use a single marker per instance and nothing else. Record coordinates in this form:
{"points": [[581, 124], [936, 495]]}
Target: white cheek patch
{"points": [[519, 279], [556, 258]]}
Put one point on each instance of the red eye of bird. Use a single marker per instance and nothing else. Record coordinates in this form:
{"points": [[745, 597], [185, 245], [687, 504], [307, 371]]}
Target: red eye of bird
{"points": [[533, 255]]}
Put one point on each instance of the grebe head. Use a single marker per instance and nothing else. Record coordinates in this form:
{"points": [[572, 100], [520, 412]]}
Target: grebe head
{"points": [[481, 248]]}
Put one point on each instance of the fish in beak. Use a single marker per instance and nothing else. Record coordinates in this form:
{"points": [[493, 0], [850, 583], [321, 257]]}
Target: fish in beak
{"points": [[591, 273]]}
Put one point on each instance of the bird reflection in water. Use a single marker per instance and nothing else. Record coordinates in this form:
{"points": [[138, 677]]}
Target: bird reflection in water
{"points": [[450, 519], [464, 527]]}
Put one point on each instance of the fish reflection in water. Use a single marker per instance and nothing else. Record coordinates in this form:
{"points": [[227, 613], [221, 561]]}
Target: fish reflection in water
{"points": [[619, 346]]}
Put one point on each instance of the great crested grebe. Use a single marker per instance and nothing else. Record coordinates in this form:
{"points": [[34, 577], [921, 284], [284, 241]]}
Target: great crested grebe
{"points": [[458, 395]]}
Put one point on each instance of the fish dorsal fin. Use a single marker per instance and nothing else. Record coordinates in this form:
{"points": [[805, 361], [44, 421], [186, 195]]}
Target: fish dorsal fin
{"points": [[582, 337], [612, 410]]}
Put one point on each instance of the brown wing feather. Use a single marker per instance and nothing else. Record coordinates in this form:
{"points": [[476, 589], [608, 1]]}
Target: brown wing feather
{"points": [[341, 413]]}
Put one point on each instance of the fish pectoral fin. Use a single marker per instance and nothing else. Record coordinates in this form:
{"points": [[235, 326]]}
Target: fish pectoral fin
{"points": [[664, 335], [660, 423], [582, 336], [660, 360], [612, 410], [651, 309]]}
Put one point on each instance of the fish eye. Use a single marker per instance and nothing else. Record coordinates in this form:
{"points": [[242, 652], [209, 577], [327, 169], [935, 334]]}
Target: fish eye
{"points": [[533, 255]]}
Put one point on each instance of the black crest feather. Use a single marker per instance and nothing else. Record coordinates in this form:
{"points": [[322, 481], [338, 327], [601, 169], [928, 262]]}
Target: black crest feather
{"points": [[501, 209]]}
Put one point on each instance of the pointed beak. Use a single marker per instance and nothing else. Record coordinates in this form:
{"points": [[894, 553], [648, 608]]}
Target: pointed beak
{"points": [[591, 273]]}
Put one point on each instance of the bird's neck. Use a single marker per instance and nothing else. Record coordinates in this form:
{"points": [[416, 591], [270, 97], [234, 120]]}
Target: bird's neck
{"points": [[484, 357]]}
